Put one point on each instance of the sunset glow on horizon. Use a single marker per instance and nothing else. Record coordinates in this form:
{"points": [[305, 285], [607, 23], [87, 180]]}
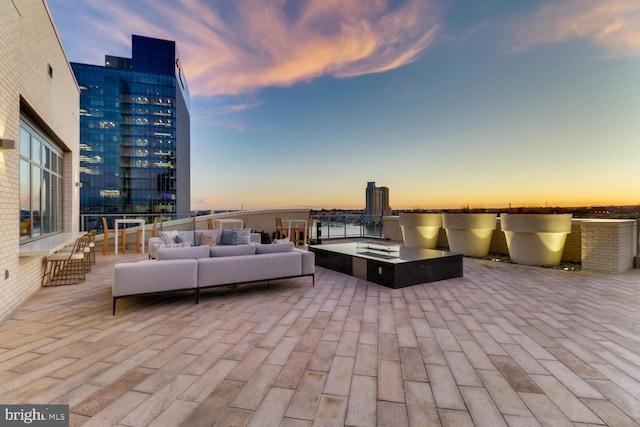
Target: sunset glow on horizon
{"points": [[447, 103]]}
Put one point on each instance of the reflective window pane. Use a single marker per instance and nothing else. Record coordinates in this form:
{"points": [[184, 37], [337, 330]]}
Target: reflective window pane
{"points": [[25, 143], [36, 147], [25, 199], [36, 188]]}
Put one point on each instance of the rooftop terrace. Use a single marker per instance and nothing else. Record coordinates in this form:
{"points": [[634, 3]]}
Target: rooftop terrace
{"points": [[504, 345]]}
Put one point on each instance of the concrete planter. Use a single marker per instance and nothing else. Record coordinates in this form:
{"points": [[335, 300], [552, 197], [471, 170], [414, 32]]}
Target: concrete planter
{"points": [[469, 233], [536, 239], [420, 230]]}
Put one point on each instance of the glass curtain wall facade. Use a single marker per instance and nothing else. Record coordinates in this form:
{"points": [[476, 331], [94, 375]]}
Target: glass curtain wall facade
{"points": [[134, 134]]}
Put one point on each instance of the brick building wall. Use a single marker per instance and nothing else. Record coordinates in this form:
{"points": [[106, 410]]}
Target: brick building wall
{"points": [[35, 80]]}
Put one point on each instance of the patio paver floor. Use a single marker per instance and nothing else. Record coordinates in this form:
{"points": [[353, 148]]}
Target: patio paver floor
{"points": [[503, 345]]}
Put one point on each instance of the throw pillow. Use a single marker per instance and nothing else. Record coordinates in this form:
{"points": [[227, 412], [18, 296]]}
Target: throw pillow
{"points": [[243, 236], [285, 240], [180, 239], [228, 237], [207, 240], [212, 233], [169, 237]]}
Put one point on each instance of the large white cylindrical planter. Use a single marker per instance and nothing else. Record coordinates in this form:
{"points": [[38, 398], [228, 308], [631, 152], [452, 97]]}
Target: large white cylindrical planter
{"points": [[420, 230], [536, 239], [469, 233]]}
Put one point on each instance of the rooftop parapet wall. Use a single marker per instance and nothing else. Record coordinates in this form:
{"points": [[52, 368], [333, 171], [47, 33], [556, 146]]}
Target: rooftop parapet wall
{"points": [[608, 246]]}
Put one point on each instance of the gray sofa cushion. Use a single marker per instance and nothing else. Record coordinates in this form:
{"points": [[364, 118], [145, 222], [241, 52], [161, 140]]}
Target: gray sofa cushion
{"points": [[274, 248], [193, 252], [308, 261], [133, 278], [240, 269], [226, 251]]}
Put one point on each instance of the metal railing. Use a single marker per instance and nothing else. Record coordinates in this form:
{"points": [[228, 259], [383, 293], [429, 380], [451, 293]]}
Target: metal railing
{"points": [[94, 221]]}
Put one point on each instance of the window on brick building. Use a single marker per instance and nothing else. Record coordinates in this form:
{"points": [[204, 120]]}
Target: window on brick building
{"points": [[40, 184]]}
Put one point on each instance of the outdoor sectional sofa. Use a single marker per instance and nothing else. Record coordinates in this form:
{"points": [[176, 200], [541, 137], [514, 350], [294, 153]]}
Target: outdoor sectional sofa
{"points": [[194, 237], [198, 267]]}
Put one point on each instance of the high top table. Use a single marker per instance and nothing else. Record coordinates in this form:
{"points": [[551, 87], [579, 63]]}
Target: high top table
{"points": [[223, 221]]}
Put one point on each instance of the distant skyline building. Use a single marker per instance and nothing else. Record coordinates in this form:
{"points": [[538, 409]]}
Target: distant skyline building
{"points": [[377, 201], [135, 132]]}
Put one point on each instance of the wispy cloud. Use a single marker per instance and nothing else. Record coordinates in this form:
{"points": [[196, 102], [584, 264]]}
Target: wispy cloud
{"points": [[231, 48], [613, 25], [236, 108]]}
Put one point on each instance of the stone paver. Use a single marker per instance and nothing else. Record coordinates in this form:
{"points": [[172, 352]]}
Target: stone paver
{"points": [[503, 345]]}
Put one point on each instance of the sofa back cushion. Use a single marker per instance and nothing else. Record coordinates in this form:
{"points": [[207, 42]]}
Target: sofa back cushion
{"points": [[274, 248], [222, 251], [193, 252], [186, 236]]}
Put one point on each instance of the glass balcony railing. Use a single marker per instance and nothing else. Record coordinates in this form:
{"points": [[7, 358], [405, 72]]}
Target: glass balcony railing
{"points": [[335, 226]]}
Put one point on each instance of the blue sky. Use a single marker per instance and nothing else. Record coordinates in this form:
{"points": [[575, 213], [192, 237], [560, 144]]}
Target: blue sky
{"points": [[448, 103]]}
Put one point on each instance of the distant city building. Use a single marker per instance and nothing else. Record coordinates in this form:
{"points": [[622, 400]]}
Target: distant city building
{"points": [[135, 133], [377, 201]]}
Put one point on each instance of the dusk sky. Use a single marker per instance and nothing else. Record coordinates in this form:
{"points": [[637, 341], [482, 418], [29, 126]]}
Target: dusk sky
{"points": [[448, 103]]}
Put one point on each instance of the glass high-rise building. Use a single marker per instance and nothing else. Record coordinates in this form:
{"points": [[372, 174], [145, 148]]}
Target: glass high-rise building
{"points": [[135, 133]]}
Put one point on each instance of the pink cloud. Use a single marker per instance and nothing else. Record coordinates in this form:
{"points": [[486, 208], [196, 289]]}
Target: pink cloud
{"points": [[244, 46], [613, 25], [238, 107]]}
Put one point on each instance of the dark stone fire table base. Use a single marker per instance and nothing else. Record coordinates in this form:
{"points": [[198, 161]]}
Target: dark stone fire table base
{"points": [[389, 265]]}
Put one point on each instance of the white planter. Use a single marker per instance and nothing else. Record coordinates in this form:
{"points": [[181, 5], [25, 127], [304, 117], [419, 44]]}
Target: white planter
{"points": [[469, 233], [420, 230], [536, 239]]}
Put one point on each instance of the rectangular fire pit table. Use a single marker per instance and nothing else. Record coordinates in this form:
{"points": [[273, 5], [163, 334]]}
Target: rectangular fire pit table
{"points": [[389, 265]]}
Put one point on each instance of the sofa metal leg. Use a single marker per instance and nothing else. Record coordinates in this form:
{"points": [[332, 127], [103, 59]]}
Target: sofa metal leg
{"points": [[114, 306], [197, 295], [313, 280]]}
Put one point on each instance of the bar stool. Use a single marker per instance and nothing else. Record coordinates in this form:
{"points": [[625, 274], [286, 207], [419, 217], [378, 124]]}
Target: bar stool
{"points": [[151, 230], [105, 242]]}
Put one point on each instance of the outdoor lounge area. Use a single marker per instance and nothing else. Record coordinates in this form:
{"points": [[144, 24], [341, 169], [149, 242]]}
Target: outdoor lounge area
{"points": [[504, 345]]}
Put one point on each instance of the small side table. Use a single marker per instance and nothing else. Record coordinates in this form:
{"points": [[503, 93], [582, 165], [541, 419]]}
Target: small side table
{"points": [[129, 221]]}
